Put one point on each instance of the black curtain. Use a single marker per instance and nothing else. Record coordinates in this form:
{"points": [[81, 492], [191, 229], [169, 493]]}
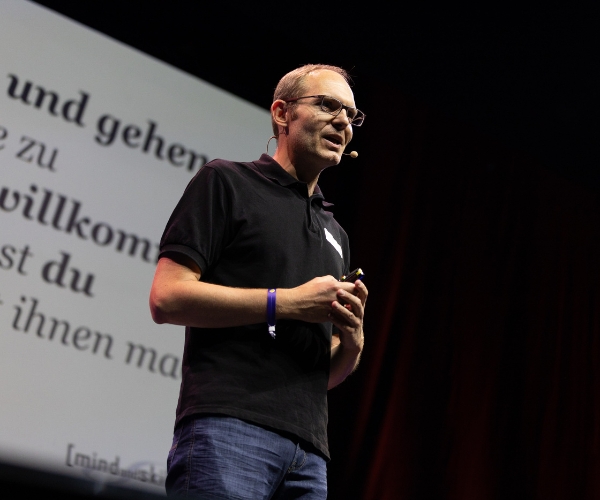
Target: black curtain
{"points": [[480, 376]]}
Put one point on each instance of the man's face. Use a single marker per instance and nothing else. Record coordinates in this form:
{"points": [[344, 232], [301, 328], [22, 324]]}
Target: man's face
{"points": [[316, 137]]}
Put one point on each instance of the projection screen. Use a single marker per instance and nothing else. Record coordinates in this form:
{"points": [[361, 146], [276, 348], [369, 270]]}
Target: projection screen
{"points": [[97, 143]]}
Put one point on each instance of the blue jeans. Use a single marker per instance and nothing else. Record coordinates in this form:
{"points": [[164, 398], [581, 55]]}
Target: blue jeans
{"points": [[220, 457]]}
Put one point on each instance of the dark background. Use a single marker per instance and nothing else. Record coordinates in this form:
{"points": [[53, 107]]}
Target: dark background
{"points": [[473, 209], [525, 74]]}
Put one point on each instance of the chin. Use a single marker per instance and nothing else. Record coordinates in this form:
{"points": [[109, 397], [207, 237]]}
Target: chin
{"points": [[332, 157], [336, 158], [326, 157]]}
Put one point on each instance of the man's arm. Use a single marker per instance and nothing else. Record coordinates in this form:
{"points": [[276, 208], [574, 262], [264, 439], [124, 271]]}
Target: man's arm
{"points": [[178, 297], [347, 315]]}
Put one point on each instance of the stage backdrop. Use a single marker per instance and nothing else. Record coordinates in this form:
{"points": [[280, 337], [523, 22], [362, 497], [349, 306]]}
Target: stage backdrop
{"points": [[97, 143]]}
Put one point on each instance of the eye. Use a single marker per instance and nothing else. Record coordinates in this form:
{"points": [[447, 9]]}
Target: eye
{"points": [[330, 104]]}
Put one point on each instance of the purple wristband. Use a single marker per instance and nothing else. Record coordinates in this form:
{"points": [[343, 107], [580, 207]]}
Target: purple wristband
{"points": [[271, 307]]}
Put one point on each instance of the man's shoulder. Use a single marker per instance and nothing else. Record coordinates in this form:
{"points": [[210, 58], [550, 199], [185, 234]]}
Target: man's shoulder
{"points": [[230, 167]]}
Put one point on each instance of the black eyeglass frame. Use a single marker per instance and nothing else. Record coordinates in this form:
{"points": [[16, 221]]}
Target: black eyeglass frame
{"points": [[359, 114]]}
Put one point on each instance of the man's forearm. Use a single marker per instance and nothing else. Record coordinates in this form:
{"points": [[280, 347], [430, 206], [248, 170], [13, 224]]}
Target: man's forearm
{"points": [[205, 305], [343, 362], [178, 297]]}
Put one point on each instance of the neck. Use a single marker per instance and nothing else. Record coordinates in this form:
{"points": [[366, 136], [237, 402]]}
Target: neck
{"points": [[297, 169]]}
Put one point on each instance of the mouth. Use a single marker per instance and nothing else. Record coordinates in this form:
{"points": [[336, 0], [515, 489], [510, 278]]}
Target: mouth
{"points": [[335, 140]]}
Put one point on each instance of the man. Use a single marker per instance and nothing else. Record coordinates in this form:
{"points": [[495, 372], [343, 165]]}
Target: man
{"points": [[250, 244]]}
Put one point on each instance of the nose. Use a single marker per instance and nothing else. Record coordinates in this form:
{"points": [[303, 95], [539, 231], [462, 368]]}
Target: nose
{"points": [[341, 121]]}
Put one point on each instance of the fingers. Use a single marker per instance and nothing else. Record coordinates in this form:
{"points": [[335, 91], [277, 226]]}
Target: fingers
{"points": [[347, 312], [316, 298], [357, 288], [344, 318], [348, 287], [349, 299], [361, 291]]}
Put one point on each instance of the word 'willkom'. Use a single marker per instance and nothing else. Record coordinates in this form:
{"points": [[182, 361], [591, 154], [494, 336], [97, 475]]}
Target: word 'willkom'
{"points": [[62, 213]]}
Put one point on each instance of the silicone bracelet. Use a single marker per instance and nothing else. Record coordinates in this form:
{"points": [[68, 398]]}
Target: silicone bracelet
{"points": [[271, 307]]}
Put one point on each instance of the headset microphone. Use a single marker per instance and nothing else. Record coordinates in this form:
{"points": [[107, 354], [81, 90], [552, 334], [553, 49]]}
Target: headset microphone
{"points": [[351, 154]]}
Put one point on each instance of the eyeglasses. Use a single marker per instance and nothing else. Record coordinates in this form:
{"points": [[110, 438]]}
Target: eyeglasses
{"points": [[334, 107]]}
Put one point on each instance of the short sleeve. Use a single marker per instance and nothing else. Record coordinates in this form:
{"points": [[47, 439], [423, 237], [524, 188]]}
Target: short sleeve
{"points": [[198, 226]]}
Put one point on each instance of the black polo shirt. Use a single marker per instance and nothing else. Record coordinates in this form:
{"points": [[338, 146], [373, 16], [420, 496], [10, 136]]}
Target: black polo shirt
{"points": [[253, 225]]}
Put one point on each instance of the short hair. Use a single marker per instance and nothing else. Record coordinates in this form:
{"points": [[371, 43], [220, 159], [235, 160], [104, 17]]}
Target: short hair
{"points": [[292, 84]]}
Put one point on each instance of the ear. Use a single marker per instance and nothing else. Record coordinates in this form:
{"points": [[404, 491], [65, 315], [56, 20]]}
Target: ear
{"points": [[279, 114]]}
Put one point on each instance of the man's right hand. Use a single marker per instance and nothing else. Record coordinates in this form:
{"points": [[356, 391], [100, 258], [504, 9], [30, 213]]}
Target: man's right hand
{"points": [[311, 301]]}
